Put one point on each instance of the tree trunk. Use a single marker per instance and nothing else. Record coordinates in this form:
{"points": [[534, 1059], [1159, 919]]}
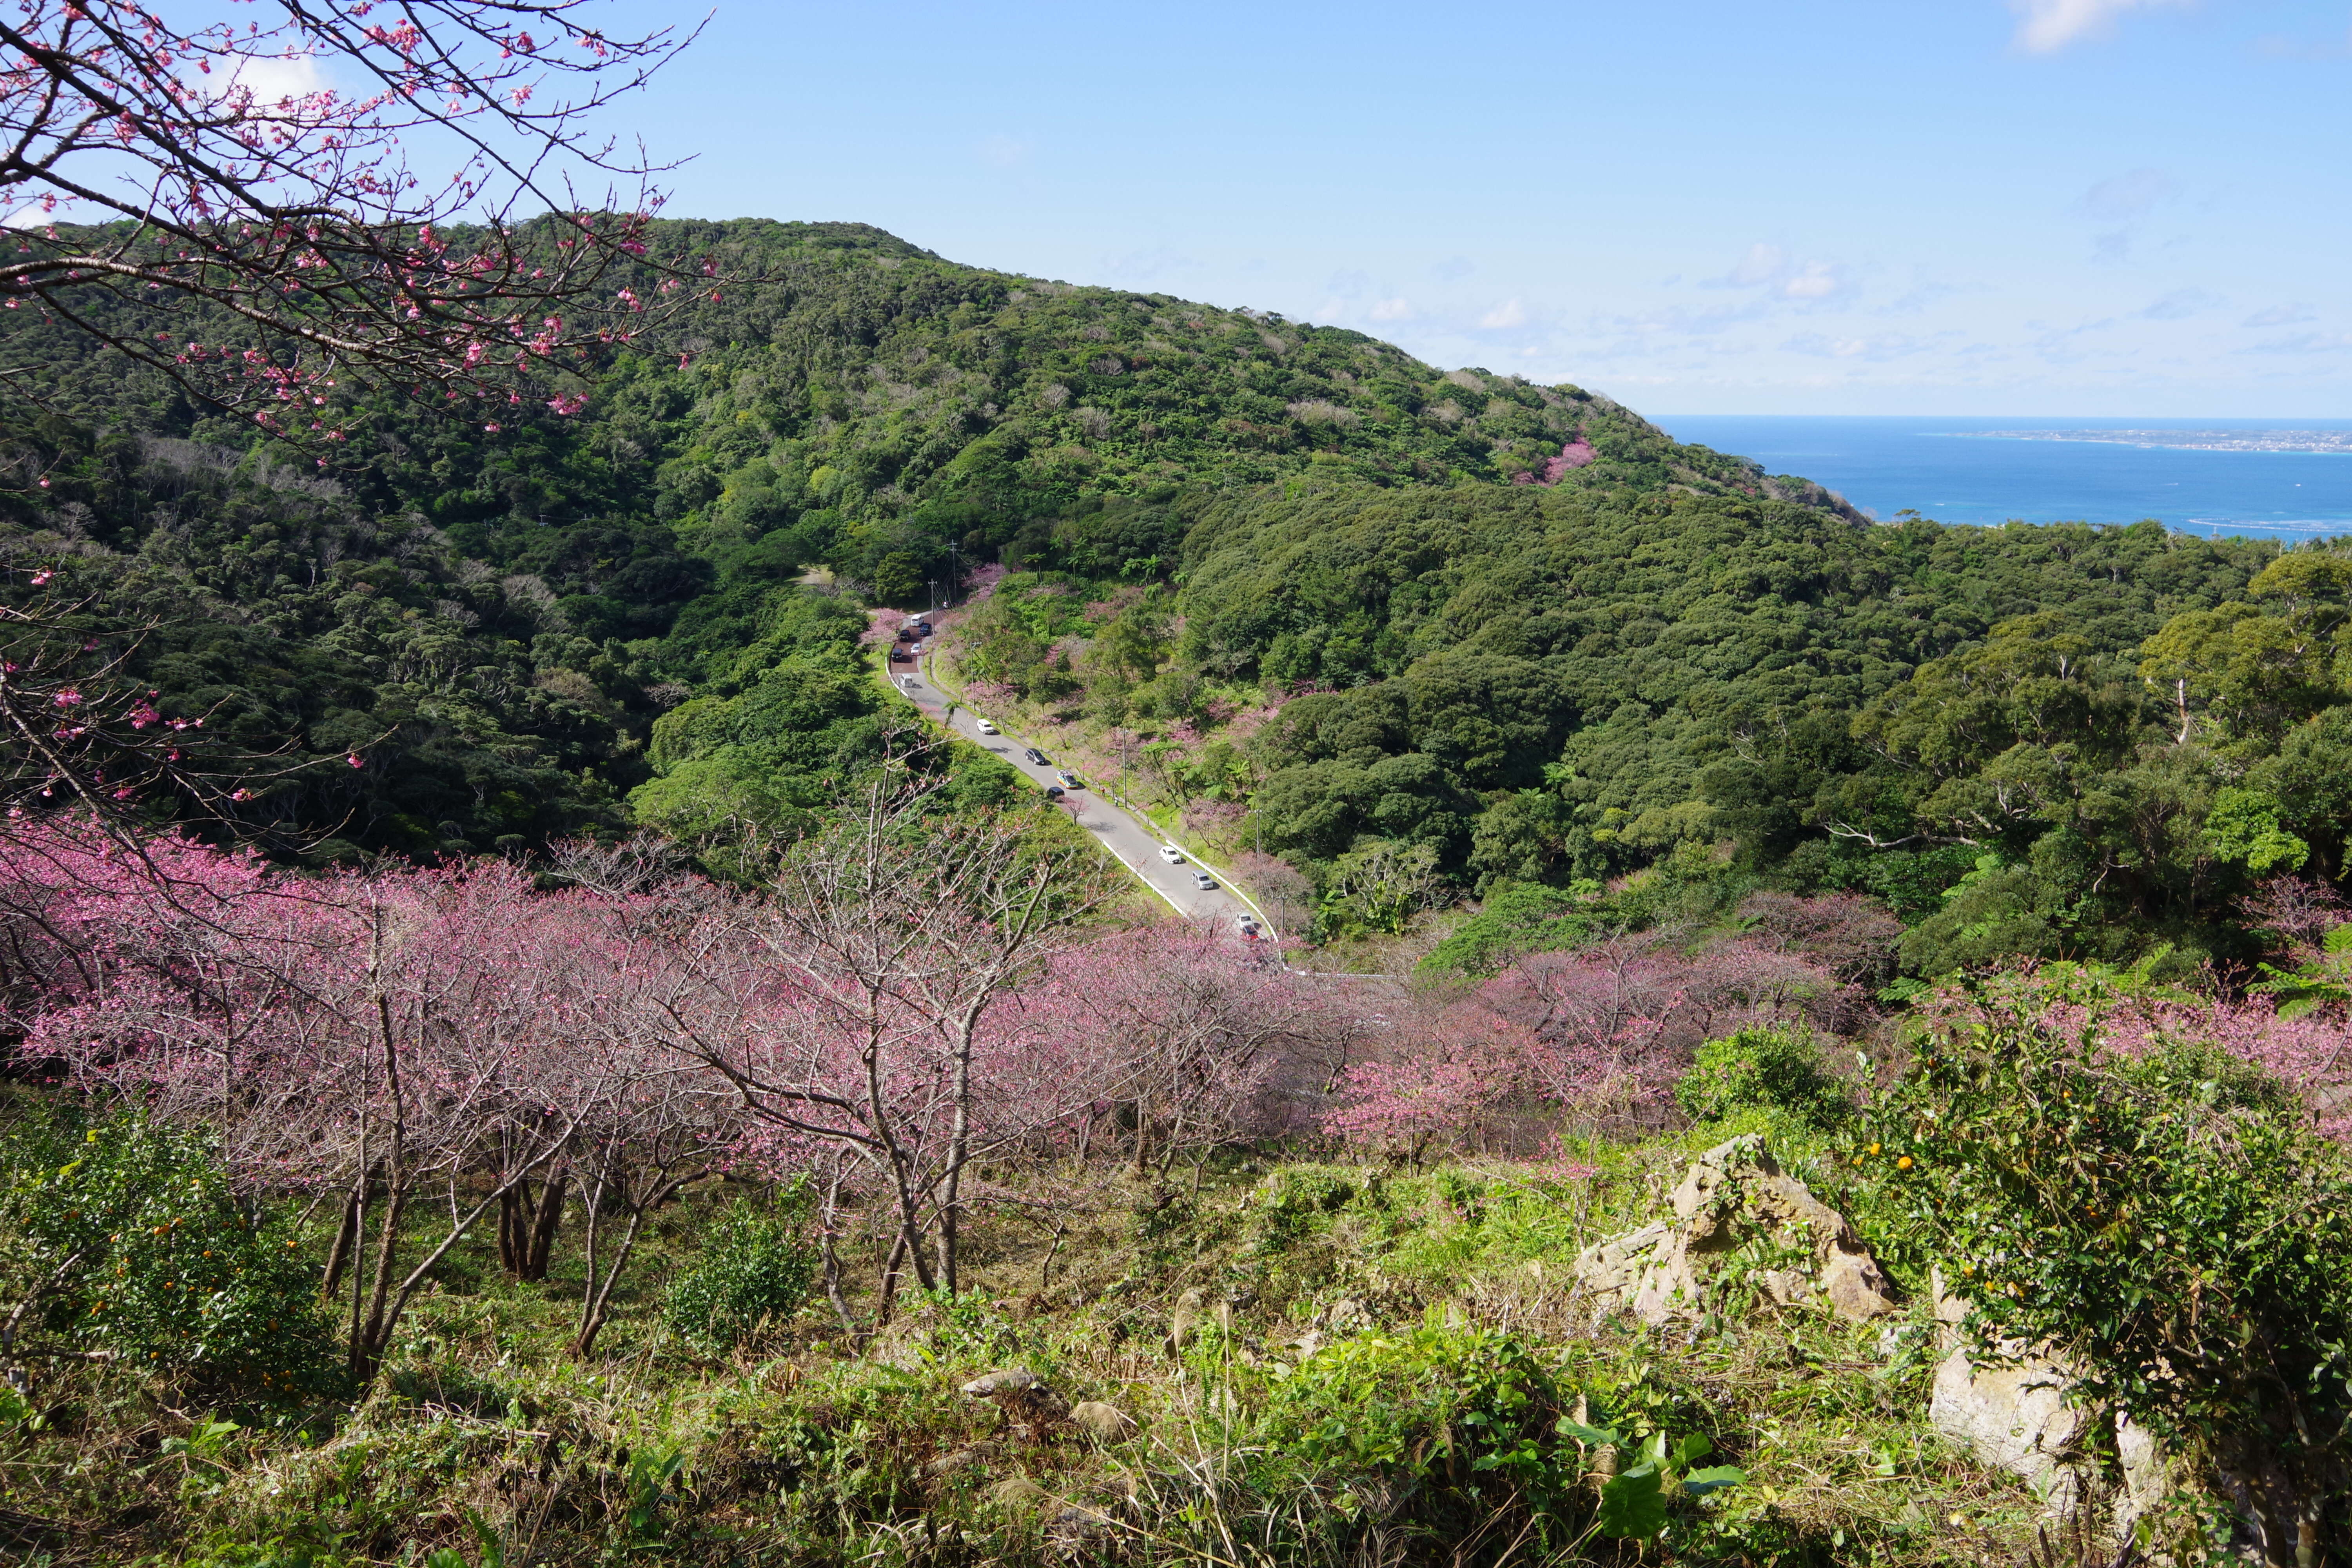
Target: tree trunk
{"points": [[529, 1222], [540, 1245], [514, 1221], [338, 1256]]}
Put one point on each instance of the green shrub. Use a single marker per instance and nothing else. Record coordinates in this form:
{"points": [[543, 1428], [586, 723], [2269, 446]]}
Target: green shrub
{"points": [[1444, 1428], [1771, 1067], [1384, 1403], [131, 1234], [755, 1266], [2168, 1219], [1296, 1202]]}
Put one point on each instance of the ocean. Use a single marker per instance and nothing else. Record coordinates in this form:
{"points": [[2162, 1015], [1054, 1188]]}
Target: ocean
{"points": [[2288, 479]]}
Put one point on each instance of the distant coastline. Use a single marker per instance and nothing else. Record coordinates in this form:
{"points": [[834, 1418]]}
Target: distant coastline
{"points": [[2283, 478], [2337, 443]]}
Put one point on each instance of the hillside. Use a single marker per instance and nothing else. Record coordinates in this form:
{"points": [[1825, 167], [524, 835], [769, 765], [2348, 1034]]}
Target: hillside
{"points": [[1835, 947], [1513, 633], [495, 619]]}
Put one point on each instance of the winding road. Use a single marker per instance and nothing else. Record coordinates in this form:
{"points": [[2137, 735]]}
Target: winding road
{"points": [[1129, 838]]}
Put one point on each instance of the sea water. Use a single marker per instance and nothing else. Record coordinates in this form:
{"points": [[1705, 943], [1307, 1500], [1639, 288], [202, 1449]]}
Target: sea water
{"points": [[2282, 477]]}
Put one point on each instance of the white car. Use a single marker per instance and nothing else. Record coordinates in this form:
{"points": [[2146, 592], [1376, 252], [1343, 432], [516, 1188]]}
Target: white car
{"points": [[1203, 882], [984, 727], [1173, 856]]}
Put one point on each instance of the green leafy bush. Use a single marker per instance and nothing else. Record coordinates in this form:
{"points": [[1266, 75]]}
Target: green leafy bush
{"points": [[1771, 1067], [1297, 1202], [755, 1266], [1444, 1425], [2168, 1219], [129, 1235], [1436, 1400]]}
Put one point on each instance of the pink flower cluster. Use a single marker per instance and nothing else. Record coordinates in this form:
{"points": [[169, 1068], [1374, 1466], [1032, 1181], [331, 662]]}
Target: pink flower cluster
{"points": [[1599, 1034]]}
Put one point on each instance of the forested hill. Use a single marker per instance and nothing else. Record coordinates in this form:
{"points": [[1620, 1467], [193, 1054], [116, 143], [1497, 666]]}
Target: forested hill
{"points": [[1424, 634], [495, 616]]}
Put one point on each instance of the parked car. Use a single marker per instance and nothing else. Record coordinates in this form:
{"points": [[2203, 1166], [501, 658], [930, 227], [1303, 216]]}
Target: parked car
{"points": [[922, 629], [1248, 924], [1173, 856], [984, 727], [1203, 882], [900, 656], [1067, 777], [1054, 791], [907, 634], [1034, 755]]}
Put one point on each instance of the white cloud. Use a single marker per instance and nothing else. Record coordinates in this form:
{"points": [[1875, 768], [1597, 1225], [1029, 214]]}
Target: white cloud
{"points": [[1817, 281], [1762, 264], [1770, 267], [2128, 196], [273, 77], [1509, 313], [1893, 345], [2305, 344], [2123, 203], [2281, 316], [1139, 268], [2180, 303], [1395, 310], [2049, 25]]}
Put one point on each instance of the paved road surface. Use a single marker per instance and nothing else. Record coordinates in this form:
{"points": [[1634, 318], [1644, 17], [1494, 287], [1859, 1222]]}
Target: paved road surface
{"points": [[1137, 847]]}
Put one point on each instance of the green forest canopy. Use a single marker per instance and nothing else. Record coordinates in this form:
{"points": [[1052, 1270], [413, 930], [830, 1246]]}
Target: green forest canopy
{"points": [[2072, 740]]}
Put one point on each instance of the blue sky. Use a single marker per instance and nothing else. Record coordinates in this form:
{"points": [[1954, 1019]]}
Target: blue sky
{"points": [[1934, 206]]}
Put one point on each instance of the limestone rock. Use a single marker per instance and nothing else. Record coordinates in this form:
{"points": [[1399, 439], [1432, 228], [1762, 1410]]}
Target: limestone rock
{"points": [[1615, 1266], [1010, 1380], [2015, 1416], [1031, 1409], [1733, 1195], [1104, 1423], [2012, 1411]]}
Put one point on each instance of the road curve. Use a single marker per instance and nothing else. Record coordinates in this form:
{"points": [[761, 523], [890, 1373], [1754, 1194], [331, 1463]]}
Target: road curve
{"points": [[1130, 841]]}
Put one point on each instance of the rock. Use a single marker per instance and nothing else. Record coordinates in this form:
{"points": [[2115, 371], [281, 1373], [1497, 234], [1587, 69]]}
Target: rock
{"points": [[1019, 1492], [1031, 1409], [1732, 1195], [1346, 1316], [2015, 1416], [1104, 1423], [2013, 1412], [1012, 1380], [1615, 1266]]}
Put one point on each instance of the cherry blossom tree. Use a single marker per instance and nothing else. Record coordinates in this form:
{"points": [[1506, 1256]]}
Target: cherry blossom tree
{"points": [[855, 999], [1188, 1035], [250, 190], [375, 1040], [1600, 1034]]}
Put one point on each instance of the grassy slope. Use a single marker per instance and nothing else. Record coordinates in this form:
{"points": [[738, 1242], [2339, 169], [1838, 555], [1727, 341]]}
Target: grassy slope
{"points": [[793, 1452]]}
